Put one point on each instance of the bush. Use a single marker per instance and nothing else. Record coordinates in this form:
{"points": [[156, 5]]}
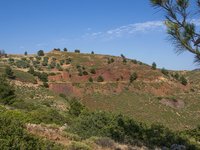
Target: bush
{"points": [[31, 70], [77, 51], [22, 64], [9, 73], [154, 66], [42, 76], [164, 71], [40, 53], [133, 77], [13, 136], [93, 71], [25, 53], [92, 52], [85, 73], [68, 61], [183, 80], [90, 79], [7, 93], [100, 79], [11, 60], [134, 61], [59, 67], [75, 107], [52, 64], [62, 62]]}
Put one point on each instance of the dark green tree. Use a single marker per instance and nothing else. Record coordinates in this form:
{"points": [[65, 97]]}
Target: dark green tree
{"points": [[77, 51], [25, 53], [154, 66], [40, 53], [65, 50], [181, 29]]}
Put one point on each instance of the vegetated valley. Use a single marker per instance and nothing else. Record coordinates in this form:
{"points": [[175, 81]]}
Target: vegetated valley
{"points": [[76, 101]]}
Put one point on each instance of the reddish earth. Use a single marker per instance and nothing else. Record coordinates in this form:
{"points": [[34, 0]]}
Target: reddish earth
{"points": [[65, 88]]}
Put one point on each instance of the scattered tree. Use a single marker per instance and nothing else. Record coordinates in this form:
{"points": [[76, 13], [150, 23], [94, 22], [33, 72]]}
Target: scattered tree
{"points": [[65, 50], [40, 53], [154, 66], [77, 51], [92, 52], [25, 53]]}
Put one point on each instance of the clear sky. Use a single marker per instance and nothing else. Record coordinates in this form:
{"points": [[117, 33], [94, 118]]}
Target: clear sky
{"points": [[129, 27]]}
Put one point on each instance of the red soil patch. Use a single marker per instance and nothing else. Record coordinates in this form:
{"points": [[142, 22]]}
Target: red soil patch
{"points": [[65, 88]]}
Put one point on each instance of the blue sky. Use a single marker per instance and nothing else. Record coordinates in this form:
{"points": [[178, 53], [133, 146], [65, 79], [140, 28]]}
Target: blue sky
{"points": [[114, 27]]}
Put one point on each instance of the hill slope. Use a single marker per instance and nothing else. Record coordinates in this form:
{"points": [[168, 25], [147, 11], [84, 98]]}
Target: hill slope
{"points": [[155, 96]]}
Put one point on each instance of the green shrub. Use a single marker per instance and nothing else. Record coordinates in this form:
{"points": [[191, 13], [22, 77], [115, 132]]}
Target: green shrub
{"points": [[85, 73], [11, 60], [90, 79], [7, 93], [75, 107], [100, 79], [22, 64], [93, 71], [164, 71], [9, 73], [31, 70], [14, 136], [134, 61], [68, 61], [62, 62], [133, 77], [183, 80]]}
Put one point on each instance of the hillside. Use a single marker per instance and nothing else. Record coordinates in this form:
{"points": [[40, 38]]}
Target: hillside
{"points": [[46, 86]]}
